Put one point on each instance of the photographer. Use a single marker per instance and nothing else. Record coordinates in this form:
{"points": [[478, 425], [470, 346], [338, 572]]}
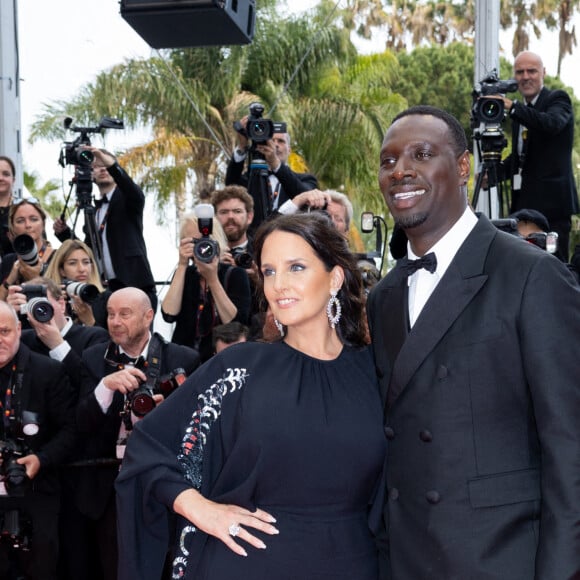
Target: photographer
{"points": [[119, 220], [38, 425], [283, 183], [55, 335], [74, 262], [540, 164], [32, 252], [111, 371], [203, 293]]}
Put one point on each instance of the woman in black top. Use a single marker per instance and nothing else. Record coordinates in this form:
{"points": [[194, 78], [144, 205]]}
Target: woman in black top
{"points": [[204, 294]]}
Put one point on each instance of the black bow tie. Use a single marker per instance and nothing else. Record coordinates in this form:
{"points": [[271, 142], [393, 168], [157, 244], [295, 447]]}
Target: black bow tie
{"points": [[100, 202], [125, 359], [428, 261]]}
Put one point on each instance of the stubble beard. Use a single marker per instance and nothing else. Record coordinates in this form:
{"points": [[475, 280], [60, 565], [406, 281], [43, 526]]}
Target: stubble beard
{"points": [[412, 221]]}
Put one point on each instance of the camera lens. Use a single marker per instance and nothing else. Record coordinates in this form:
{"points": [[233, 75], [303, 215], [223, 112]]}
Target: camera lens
{"points": [[142, 402], [26, 249], [243, 260], [205, 250], [41, 309], [491, 110]]}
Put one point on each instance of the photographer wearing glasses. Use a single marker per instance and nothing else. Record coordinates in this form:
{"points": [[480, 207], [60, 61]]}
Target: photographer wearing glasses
{"points": [[37, 434]]}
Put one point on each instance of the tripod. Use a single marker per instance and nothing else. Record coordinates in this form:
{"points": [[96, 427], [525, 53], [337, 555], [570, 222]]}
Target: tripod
{"points": [[259, 189], [492, 143], [84, 188]]}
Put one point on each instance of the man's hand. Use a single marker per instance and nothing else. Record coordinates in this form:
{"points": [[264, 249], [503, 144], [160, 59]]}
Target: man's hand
{"points": [[48, 332], [59, 226], [32, 464], [242, 141], [268, 150], [125, 380], [103, 158], [15, 297], [314, 199]]}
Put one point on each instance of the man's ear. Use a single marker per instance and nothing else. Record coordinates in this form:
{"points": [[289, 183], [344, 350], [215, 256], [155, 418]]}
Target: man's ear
{"points": [[464, 167]]}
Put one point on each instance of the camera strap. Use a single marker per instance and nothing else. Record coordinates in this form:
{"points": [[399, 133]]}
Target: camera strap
{"points": [[11, 407]]}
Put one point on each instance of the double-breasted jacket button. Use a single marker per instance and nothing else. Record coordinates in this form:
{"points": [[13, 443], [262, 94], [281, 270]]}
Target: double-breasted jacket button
{"points": [[442, 372], [393, 493], [389, 433], [433, 497], [426, 436]]}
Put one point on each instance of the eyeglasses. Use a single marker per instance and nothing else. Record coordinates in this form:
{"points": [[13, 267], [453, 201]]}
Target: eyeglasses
{"points": [[31, 200]]}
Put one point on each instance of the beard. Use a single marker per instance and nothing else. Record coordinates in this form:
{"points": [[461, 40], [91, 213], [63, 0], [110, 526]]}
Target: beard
{"points": [[412, 221], [234, 234]]}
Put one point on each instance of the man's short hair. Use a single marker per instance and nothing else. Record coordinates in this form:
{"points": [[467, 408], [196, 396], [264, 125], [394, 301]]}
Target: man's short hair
{"points": [[343, 200], [458, 137], [229, 333], [232, 192], [51, 286], [533, 216]]}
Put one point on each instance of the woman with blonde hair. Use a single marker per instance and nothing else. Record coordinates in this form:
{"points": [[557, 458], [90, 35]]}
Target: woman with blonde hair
{"points": [[204, 292], [74, 262]]}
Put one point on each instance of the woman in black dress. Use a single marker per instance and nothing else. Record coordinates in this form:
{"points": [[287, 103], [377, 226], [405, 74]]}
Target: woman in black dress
{"points": [[204, 294], [271, 453]]}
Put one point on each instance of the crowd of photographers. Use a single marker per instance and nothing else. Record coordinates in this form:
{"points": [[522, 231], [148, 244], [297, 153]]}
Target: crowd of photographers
{"points": [[79, 359]]}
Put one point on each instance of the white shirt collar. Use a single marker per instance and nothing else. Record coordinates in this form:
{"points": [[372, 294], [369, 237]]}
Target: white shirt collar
{"points": [[446, 248]]}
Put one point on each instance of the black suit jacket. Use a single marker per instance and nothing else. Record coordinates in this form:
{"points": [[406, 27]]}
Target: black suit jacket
{"points": [[291, 184], [79, 338], [99, 431], [125, 232], [481, 408], [547, 178], [46, 391]]}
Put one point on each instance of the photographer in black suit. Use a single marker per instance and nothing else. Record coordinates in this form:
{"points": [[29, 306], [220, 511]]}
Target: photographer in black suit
{"points": [[540, 164], [119, 223], [38, 423], [59, 338], [283, 183], [111, 372]]}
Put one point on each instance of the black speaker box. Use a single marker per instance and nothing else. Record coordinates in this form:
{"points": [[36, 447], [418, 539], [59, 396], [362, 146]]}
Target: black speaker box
{"points": [[182, 23]]}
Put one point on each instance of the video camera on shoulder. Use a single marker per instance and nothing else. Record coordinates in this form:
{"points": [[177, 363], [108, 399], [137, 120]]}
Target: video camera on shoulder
{"points": [[37, 303], [258, 129]]}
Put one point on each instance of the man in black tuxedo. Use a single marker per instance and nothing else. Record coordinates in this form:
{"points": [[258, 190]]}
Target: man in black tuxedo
{"points": [[476, 348], [119, 223], [38, 414], [540, 164], [111, 371], [283, 183], [59, 338]]}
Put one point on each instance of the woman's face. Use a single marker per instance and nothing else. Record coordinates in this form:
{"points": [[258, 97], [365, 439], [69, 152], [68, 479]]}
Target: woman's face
{"points": [[6, 179], [77, 267], [27, 220], [296, 283]]}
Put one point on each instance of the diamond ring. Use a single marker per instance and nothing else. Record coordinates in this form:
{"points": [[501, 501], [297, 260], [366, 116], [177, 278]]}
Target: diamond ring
{"points": [[234, 530]]}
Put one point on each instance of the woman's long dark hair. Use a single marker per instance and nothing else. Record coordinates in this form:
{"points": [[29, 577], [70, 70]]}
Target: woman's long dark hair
{"points": [[318, 231]]}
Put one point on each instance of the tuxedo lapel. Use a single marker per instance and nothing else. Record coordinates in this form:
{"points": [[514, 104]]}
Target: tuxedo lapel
{"points": [[461, 282]]}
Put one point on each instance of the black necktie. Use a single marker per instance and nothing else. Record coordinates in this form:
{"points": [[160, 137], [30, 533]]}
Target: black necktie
{"points": [[428, 261]]}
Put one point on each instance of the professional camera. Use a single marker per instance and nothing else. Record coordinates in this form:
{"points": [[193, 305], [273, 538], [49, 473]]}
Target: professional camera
{"points": [[26, 249], [12, 473], [74, 153], [547, 241], [36, 303], [258, 129], [15, 530], [141, 400], [488, 109], [205, 249], [242, 258], [86, 292]]}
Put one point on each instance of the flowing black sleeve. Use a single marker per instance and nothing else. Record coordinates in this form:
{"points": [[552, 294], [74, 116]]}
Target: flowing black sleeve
{"points": [[176, 447]]}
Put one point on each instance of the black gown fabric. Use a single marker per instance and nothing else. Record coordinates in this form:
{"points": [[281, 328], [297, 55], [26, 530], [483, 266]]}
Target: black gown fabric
{"points": [[260, 426]]}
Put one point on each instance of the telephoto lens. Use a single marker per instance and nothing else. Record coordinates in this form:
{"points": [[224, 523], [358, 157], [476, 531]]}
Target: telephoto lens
{"points": [[86, 292], [26, 249]]}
